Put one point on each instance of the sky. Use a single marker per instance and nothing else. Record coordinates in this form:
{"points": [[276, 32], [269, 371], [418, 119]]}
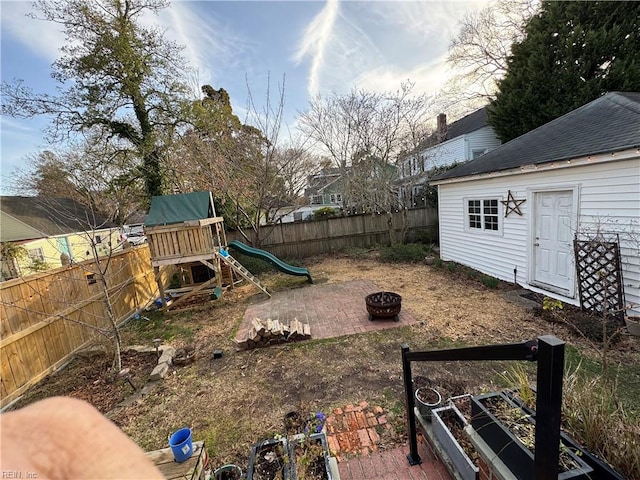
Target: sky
{"points": [[312, 47]]}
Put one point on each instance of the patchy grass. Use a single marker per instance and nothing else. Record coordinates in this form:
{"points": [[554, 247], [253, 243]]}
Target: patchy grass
{"points": [[241, 398], [405, 253]]}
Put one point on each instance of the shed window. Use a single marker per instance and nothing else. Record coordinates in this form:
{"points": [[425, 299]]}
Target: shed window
{"points": [[483, 214]]}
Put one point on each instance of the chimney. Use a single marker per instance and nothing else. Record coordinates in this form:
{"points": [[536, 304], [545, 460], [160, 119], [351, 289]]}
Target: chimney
{"points": [[441, 131]]}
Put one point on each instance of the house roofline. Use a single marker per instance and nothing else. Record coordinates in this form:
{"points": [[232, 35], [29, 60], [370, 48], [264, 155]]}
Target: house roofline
{"points": [[615, 156]]}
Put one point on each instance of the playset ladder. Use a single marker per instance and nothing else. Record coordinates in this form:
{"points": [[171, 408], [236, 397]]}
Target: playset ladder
{"points": [[243, 272]]}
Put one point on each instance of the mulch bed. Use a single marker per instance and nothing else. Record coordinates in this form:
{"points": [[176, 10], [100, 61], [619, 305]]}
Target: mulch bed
{"points": [[89, 377]]}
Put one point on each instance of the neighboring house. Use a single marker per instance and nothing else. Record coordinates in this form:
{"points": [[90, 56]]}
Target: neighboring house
{"points": [[298, 214], [513, 213], [463, 140], [50, 231], [325, 188]]}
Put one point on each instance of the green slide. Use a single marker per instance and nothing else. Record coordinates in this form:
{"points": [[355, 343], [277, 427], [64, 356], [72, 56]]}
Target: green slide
{"points": [[275, 261]]}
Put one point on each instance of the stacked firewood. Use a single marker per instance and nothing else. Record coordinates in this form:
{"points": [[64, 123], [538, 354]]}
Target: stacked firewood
{"points": [[270, 332]]}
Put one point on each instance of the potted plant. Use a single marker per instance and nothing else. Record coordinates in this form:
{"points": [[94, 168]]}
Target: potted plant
{"points": [[427, 399], [510, 431], [269, 460], [448, 425]]}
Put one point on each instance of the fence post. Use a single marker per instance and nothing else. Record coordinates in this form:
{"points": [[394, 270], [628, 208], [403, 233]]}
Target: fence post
{"points": [[413, 457], [548, 406]]}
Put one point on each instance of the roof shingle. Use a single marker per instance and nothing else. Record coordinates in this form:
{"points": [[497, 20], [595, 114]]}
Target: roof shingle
{"points": [[610, 123]]}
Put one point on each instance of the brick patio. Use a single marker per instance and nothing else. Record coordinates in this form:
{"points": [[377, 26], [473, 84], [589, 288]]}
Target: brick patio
{"points": [[335, 310], [331, 309]]}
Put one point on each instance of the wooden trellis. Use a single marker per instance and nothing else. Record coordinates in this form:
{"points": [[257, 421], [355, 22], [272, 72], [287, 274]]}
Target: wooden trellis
{"points": [[600, 276]]}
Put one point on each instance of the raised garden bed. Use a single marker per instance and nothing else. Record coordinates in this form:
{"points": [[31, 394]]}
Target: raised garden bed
{"points": [[269, 460], [602, 470], [448, 426], [510, 431], [309, 457]]}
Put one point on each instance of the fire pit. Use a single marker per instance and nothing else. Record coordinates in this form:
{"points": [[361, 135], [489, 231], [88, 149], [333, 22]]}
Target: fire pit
{"points": [[383, 305]]}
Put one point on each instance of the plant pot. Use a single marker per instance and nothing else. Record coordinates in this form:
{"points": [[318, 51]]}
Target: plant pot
{"points": [[633, 325], [316, 465], [458, 458], [602, 470], [227, 472], [268, 460], [429, 260], [508, 447], [426, 400]]}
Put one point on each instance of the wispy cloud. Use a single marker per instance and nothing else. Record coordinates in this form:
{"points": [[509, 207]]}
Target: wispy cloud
{"points": [[207, 41], [41, 37], [315, 41]]}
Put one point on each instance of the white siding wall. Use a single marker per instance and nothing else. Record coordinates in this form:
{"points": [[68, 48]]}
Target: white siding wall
{"points": [[453, 150], [609, 197], [483, 138]]}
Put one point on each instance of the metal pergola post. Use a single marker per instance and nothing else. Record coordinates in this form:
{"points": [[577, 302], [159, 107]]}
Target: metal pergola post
{"points": [[548, 406], [548, 351]]}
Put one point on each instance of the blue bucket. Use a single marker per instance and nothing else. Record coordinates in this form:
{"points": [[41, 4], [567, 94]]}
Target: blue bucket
{"points": [[181, 446]]}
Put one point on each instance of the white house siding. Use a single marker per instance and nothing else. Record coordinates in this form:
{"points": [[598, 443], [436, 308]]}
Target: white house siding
{"points": [[482, 139], [609, 198], [446, 153]]}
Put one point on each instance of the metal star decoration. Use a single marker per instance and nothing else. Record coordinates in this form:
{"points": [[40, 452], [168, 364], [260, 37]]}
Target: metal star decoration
{"points": [[512, 205]]}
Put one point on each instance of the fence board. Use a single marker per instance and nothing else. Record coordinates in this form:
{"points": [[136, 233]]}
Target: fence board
{"points": [[306, 239], [35, 339]]}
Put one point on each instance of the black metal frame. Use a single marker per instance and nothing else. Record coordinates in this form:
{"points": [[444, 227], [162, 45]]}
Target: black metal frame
{"points": [[548, 351]]}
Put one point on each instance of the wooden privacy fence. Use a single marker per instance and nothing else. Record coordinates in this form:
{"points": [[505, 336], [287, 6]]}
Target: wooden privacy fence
{"points": [[40, 314], [306, 239]]}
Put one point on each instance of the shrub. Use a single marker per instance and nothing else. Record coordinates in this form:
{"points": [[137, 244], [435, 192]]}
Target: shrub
{"points": [[439, 262], [407, 253], [324, 212], [451, 266], [490, 282]]}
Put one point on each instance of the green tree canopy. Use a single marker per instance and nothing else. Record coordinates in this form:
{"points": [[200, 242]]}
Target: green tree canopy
{"points": [[572, 53], [121, 81]]}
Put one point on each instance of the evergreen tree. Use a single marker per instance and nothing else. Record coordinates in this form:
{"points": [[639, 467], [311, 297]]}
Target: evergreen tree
{"points": [[572, 53]]}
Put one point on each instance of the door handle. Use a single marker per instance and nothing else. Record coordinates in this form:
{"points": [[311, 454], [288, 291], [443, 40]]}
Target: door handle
{"points": [[536, 244]]}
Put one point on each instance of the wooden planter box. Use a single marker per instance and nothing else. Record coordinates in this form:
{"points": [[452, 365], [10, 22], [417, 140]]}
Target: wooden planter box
{"points": [[602, 470], [458, 458], [508, 448]]}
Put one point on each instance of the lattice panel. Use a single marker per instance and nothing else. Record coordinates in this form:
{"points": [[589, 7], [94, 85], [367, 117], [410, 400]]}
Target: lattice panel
{"points": [[600, 277]]}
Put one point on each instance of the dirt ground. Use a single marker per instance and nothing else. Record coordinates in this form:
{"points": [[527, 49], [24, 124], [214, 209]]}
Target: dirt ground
{"points": [[241, 398]]}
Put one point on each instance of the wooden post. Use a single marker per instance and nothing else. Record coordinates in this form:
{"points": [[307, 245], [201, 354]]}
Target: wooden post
{"points": [[156, 270]]}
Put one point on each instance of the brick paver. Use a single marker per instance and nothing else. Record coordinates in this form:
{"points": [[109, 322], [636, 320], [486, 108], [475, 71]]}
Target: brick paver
{"points": [[356, 446], [335, 310], [331, 310]]}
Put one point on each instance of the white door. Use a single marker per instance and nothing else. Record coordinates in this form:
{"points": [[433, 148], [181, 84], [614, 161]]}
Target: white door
{"points": [[553, 241]]}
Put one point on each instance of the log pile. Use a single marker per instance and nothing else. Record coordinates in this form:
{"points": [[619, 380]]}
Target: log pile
{"points": [[270, 332]]}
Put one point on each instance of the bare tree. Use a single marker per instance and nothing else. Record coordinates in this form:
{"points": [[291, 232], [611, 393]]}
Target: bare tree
{"points": [[479, 54], [364, 133], [250, 174], [91, 172]]}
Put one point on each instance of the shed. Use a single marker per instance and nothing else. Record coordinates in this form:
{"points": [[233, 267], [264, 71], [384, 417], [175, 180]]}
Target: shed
{"points": [[518, 212]]}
